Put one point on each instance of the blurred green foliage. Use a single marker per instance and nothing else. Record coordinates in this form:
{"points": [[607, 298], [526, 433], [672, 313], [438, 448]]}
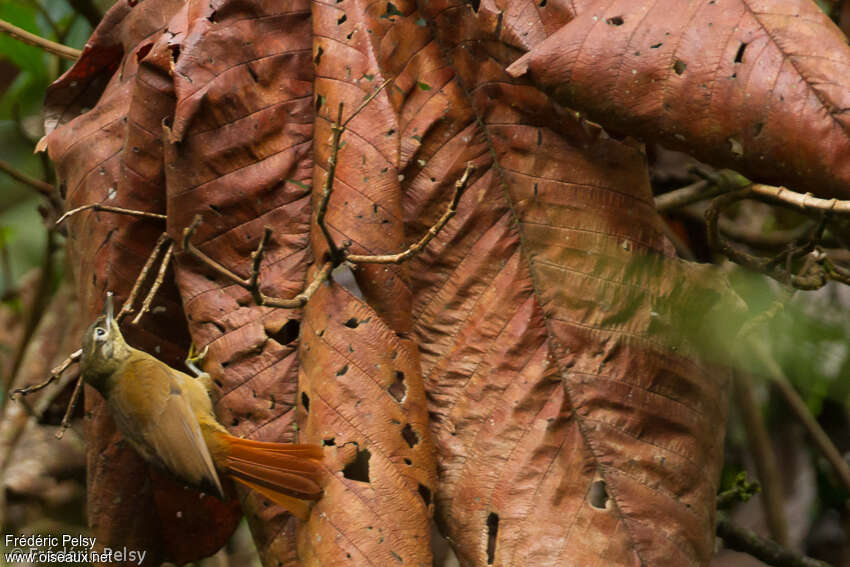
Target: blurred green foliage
{"points": [[25, 73]]}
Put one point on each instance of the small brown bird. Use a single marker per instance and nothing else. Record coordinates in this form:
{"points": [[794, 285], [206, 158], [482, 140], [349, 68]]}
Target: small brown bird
{"points": [[167, 417]]}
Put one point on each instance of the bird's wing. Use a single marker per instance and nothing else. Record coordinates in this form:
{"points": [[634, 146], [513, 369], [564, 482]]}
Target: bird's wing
{"points": [[156, 415]]}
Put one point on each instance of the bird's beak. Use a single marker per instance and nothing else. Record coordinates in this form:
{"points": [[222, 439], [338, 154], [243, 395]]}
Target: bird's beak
{"points": [[108, 310]]}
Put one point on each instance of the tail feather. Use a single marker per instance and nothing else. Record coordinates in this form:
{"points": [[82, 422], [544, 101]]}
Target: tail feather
{"points": [[286, 474], [298, 508]]}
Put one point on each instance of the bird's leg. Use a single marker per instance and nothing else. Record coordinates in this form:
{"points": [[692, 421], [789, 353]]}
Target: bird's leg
{"points": [[192, 359]]}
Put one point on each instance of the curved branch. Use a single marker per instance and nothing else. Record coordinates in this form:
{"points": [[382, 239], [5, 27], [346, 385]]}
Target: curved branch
{"points": [[38, 41]]}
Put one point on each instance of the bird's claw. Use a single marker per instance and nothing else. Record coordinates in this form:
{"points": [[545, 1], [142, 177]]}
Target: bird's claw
{"points": [[192, 359]]}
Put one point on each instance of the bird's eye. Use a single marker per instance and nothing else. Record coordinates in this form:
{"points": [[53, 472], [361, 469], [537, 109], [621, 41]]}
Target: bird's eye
{"points": [[100, 332]]}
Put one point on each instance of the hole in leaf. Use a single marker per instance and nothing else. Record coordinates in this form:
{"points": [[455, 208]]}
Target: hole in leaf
{"points": [[352, 323], [287, 333], [358, 469], [253, 74], [598, 496], [330, 442], [398, 389], [679, 66], [392, 10], [320, 101], [542, 3], [143, 50], [318, 58], [341, 20], [342, 370], [740, 55], [408, 462], [305, 401], [425, 493], [492, 534], [656, 45], [409, 435], [615, 21], [175, 53]]}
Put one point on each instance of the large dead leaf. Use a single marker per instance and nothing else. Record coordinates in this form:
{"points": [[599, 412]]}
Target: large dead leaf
{"points": [[239, 154], [759, 86], [362, 390], [572, 421], [107, 113]]}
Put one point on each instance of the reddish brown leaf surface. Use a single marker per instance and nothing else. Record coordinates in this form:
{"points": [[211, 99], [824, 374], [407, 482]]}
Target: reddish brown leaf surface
{"points": [[759, 86], [572, 424], [112, 154], [549, 323], [362, 390], [239, 154]]}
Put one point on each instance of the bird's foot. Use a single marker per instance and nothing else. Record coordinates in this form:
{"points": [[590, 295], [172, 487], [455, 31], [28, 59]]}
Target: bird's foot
{"points": [[193, 359]]}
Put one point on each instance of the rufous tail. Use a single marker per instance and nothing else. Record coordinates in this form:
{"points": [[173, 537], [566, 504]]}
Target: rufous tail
{"points": [[285, 473]]}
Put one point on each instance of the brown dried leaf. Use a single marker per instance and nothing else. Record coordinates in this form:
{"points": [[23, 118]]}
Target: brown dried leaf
{"points": [[361, 387], [756, 85], [573, 422], [239, 155], [112, 154]]}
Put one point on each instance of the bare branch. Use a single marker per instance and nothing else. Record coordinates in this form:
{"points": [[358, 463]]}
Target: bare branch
{"points": [[821, 440], [54, 375], [45, 189], [336, 132], [252, 283], [801, 200], [160, 277], [337, 128], [741, 539], [460, 187], [38, 41], [363, 104], [302, 298], [110, 209], [69, 411], [720, 182], [812, 277], [127, 308]]}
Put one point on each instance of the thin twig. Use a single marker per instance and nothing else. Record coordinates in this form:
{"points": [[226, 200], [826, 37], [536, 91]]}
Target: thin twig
{"points": [[110, 209], [127, 308], [337, 128], [45, 189], [460, 186], [777, 376], [741, 539], [721, 182], [365, 102], [252, 282], [302, 298], [813, 277], [54, 375], [767, 467], [38, 41], [160, 277], [336, 132], [69, 411], [803, 201]]}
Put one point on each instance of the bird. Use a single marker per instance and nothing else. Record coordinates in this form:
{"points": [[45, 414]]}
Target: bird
{"points": [[167, 417]]}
